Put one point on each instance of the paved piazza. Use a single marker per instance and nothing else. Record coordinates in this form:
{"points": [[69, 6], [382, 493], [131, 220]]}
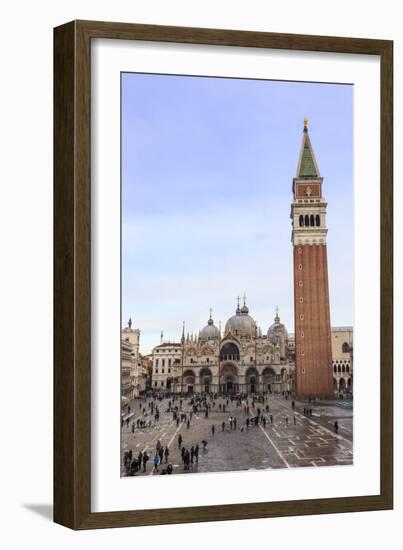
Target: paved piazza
{"points": [[310, 442]]}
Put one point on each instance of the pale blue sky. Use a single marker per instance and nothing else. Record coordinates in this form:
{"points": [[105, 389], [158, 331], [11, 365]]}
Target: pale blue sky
{"points": [[207, 168]]}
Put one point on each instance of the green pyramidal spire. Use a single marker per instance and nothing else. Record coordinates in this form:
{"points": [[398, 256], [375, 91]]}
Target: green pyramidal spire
{"points": [[307, 166]]}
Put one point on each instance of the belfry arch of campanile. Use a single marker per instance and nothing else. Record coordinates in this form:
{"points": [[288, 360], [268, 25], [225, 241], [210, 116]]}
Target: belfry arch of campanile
{"points": [[313, 351]]}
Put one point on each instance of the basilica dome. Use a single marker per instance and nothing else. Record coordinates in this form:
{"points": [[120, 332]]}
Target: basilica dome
{"points": [[209, 331], [241, 324], [276, 329]]}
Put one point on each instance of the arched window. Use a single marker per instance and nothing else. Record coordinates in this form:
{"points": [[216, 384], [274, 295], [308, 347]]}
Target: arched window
{"points": [[229, 352], [307, 220], [312, 220], [338, 369], [345, 347], [317, 220], [347, 369], [335, 369], [343, 369], [301, 221]]}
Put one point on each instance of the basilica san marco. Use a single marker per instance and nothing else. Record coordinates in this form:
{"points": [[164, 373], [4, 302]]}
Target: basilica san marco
{"points": [[239, 359]]}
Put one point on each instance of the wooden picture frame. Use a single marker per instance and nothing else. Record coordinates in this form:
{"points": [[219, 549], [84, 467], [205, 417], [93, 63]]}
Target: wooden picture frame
{"points": [[72, 274]]}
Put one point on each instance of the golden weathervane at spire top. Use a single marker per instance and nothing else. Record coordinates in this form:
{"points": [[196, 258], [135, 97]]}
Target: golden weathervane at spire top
{"points": [[305, 122]]}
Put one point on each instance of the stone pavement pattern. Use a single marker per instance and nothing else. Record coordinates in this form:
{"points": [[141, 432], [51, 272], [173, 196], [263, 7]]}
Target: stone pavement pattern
{"points": [[310, 442]]}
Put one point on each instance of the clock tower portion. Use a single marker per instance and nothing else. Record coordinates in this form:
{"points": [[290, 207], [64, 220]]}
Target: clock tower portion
{"points": [[313, 352]]}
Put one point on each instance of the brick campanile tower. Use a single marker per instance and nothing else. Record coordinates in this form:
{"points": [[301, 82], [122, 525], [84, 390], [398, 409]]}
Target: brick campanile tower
{"points": [[313, 351]]}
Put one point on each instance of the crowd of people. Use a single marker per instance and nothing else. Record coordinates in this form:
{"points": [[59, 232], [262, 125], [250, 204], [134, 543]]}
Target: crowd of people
{"points": [[249, 411]]}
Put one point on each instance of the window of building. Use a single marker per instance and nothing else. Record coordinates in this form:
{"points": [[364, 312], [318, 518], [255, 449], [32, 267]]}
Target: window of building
{"points": [[169, 362], [301, 316], [301, 221], [345, 347], [155, 384], [302, 371], [301, 283], [300, 267], [302, 352], [163, 362], [299, 250], [162, 383], [302, 334], [156, 362], [307, 220], [301, 300], [312, 220], [317, 219]]}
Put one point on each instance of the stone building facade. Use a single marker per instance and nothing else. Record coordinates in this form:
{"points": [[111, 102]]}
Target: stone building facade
{"points": [[241, 359], [342, 359], [134, 374]]}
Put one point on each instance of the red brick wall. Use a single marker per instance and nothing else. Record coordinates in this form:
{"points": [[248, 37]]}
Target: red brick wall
{"points": [[317, 380]]}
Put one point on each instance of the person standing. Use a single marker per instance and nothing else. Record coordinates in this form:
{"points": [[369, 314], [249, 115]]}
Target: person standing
{"points": [[166, 453], [179, 441], [223, 425], [192, 454], [336, 427], [155, 462], [161, 453], [197, 453], [213, 429]]}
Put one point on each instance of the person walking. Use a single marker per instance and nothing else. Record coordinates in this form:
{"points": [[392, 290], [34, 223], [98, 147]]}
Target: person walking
{"points": [[186, 460], [179, 441], [295, 421], [271, 419], [213, 429], [166, 453], [192, 454], [223, 425], [234, 423], [187, 424], [161, 454], [336, 427], [145, 460], [197, 453]]}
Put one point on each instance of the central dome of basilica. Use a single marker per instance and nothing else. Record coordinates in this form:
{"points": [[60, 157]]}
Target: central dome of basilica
{"points": [[241, 324]]}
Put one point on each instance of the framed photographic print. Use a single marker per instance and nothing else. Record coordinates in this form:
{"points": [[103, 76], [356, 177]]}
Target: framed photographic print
{"points": [[223, 275]]}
